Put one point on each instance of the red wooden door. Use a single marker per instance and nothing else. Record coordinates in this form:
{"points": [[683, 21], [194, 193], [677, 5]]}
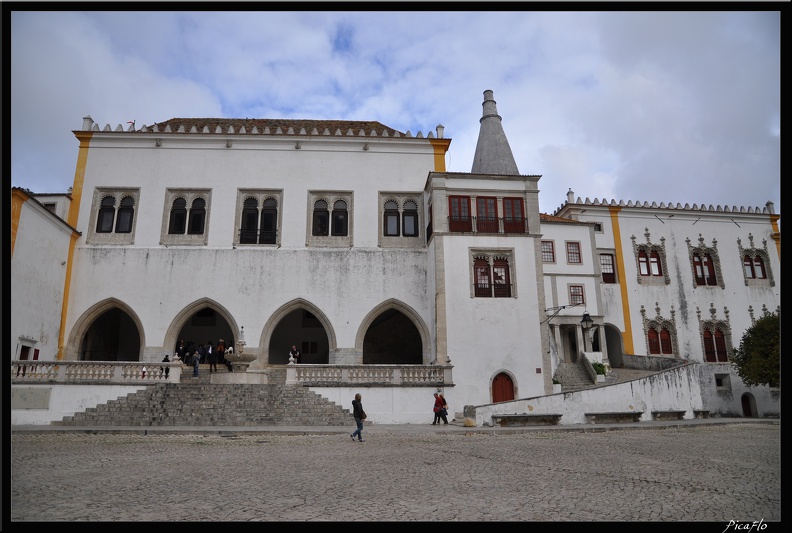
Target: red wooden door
{"points": [[502, 389]]}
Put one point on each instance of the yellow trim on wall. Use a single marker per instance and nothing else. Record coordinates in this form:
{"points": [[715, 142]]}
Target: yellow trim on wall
{"points": [[74, 211], [17, 199], [628, 335], [440, 148], [776, 234]]}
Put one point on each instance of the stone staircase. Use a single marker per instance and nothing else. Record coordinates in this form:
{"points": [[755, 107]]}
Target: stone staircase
{"points": [[197, 402], [573, 376]]}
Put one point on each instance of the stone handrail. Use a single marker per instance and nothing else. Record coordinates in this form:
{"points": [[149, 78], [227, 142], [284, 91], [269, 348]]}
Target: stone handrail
{"points": [[82, 372], [386, 375]]}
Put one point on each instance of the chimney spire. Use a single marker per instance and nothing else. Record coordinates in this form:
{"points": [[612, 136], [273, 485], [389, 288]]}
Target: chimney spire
{"points": [[493, 153]]}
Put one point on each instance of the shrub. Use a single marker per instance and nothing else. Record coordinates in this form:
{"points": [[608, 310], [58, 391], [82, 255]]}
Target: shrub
{"points": [[599, 368]]}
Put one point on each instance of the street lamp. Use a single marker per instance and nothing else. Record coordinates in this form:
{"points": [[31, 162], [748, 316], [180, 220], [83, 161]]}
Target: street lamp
{"points": [[586, 322]]}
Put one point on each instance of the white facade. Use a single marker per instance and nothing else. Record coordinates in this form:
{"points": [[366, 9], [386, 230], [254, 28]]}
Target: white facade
{"points": [[404, 281], [40, 243]]}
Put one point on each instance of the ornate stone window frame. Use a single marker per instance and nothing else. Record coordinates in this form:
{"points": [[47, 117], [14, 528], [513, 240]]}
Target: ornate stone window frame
{"points": [[400, 241], [93, 237], [658, 323], [260, 195], [752, 251], [702, 250], [714, 323], [648, 247], [189, 195], [330, 241], [490, 255]]}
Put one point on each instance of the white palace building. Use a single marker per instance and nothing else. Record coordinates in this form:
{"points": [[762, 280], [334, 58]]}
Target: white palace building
{"points": [[395, 277]]}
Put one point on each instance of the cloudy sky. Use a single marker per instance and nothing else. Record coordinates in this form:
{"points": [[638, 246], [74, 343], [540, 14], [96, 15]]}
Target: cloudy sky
{"points": [[680, 107]]}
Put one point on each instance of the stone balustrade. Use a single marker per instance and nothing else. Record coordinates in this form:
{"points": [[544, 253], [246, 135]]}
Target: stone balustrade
{"points": [[84, 372], [134, 372]]}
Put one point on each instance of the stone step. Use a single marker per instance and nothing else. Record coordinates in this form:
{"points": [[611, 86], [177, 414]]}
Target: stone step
{"points": [[204, 404]]}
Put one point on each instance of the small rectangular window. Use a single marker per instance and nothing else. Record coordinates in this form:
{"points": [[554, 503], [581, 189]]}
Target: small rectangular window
{"points": [[608, 268], [548, 252], [573, 253], [576, 295]]}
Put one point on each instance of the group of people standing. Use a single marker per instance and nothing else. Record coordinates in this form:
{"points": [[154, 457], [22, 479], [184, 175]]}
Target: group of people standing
{"points": [[195, 355]]}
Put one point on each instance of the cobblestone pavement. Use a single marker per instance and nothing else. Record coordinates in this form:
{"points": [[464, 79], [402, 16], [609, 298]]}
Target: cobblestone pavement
{"points": [[677, 473]]}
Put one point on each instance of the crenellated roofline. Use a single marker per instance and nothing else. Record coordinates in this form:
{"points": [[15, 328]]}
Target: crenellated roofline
{"points": [[249, 126], [768, 209]]}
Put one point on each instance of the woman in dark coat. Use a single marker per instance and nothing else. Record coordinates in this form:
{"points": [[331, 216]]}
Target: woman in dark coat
{"points": [[360, 415]]}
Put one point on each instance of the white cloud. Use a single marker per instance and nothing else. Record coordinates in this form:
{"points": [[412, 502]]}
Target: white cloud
{"points": [[657, 106]]}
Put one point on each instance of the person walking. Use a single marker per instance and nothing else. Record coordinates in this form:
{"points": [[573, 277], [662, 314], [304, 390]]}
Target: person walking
{"points": [[443, 409], [360, 416], [438, 405], [211, 355]]}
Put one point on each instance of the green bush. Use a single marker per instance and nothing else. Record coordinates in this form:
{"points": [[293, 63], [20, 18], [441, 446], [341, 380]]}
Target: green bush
{"points": [[599, 368]]}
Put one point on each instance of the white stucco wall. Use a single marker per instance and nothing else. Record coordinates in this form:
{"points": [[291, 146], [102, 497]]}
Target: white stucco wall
{"points": [[38, 272]]}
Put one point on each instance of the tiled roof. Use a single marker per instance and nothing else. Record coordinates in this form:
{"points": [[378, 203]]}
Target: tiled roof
{"points": [[280, 126], [552, 218]]}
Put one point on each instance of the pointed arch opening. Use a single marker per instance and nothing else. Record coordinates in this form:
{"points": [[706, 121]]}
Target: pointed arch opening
{"points": [[299, 323], [109, 331], [393, 333]]}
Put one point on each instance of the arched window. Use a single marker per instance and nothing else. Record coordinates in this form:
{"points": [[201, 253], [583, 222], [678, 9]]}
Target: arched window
{"points": [[501, 278], [340, 227], [197, 217], [178, 217], [704, 269], [491, 279], [715, 346], [483, 281], [654, 342], [269, 222], [249, 222], [665, 342], [748, 265], [390, 222], [321, 218], [654, 264], [106, 216], [759, 268], [410, 217], [754, 268], [126, 214]]}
